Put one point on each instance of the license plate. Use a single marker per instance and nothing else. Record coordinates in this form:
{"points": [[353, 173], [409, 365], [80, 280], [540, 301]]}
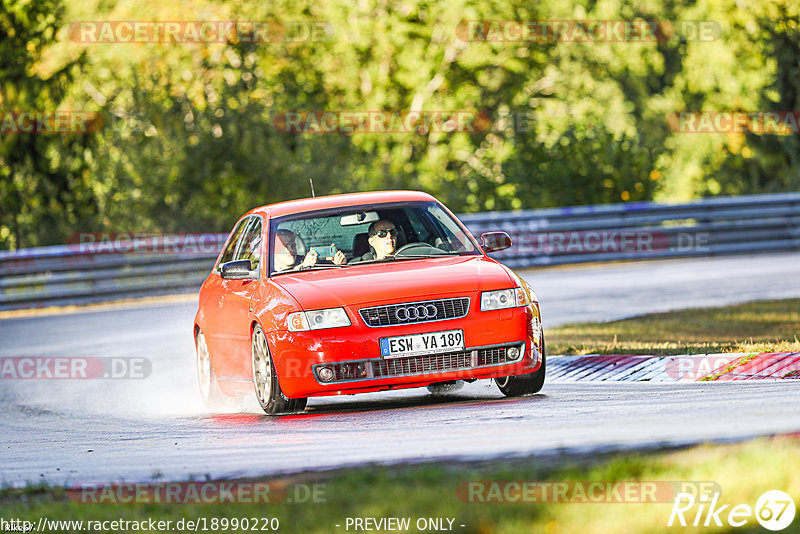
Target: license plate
{"points": [[416, 344]]}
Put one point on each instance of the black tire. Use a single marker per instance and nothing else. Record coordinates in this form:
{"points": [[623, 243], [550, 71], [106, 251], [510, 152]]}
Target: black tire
{"points": [[517, 386], [265, 380], [211, 395]]}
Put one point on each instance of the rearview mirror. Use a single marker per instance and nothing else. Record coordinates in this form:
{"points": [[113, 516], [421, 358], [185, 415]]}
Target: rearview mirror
{"points": [[359, 218], [237, 270], [494, 241]]}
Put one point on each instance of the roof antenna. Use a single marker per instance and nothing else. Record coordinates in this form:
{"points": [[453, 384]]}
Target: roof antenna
{"points": [[311, 181]]}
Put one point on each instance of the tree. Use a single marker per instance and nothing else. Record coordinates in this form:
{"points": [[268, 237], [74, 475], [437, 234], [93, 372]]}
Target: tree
{"points": [[44, 186]]}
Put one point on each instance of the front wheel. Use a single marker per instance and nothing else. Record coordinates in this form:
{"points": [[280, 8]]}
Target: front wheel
{"points": [[516, 386], [265, 379]]}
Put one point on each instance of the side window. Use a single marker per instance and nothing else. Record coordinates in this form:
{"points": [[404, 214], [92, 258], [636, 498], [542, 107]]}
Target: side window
{"points": [[230, 247], [250, 246], [448, 229]]}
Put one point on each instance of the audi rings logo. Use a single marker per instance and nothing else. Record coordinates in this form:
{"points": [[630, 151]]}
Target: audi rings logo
{"points": [[416, 313]]}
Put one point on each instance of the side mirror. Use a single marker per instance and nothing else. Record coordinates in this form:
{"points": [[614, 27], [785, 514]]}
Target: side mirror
{"points": [[494, 241], [237, 270]]}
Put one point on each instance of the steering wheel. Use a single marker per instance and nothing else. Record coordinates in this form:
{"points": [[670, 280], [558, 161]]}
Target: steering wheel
{"points": [[420, 247]]}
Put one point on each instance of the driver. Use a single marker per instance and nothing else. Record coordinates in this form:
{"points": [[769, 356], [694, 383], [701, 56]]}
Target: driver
{"points": [[286, 253], [382, 240]]}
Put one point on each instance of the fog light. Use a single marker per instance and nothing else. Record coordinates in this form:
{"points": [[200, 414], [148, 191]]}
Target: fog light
{"points": [[326, 374], [513, 353]]}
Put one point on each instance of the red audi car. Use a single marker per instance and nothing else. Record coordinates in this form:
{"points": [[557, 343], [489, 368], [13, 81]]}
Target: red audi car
{"points": [[362, 292]]}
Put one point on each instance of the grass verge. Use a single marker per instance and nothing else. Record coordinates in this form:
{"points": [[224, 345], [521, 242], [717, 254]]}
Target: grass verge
{"points": [[739, 472], [767, 326]]}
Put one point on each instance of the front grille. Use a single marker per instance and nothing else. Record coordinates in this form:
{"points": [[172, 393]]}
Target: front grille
{"points": [[415, 312], [492, 356], [415, 365]]}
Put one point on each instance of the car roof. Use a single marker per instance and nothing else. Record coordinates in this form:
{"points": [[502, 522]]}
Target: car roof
{"points": [[335, 201]]}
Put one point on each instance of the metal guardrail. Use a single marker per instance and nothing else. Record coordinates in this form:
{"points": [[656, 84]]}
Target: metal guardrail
{"points": [[72, 274], [645, 230], [80, 274]]}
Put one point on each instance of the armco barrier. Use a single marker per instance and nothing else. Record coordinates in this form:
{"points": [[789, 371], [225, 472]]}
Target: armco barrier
{"points": [[70, 274], [75, 274], [645, 230]]}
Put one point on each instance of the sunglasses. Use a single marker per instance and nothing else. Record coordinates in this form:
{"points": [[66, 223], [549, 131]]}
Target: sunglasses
{"points": [[384, 233]]}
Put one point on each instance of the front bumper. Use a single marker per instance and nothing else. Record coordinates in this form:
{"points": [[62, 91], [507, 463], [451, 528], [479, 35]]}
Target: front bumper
{"points": [[357, 366], [427, 365]]}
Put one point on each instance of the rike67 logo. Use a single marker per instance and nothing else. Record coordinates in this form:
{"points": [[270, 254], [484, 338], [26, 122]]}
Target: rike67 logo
{"points": [[774, 510]]}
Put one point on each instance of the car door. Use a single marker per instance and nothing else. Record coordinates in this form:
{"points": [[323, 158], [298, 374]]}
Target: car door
{"points": [[236, 307], [213, 295]]}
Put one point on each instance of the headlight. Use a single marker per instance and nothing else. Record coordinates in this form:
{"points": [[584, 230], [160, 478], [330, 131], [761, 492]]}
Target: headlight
{"points": [[317, 319], [505, 298]]}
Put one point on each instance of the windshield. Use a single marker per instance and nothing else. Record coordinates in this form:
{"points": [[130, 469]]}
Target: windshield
{"points": [[377, 233]]}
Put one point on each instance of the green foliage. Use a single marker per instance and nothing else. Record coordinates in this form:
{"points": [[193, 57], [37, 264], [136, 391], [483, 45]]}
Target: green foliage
{"points": [[776, 166], [44, 186], [191, 138]]}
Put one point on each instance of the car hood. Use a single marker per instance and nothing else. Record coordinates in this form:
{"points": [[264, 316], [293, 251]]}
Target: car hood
{"points": [[401, 281]]}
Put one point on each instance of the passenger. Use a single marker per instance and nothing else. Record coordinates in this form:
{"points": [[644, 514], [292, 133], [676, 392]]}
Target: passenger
{"points": [[382, 241], [286, 253]]}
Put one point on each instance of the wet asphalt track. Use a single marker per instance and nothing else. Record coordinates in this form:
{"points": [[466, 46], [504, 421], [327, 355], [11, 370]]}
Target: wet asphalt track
{"points": [[155, 428]]}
